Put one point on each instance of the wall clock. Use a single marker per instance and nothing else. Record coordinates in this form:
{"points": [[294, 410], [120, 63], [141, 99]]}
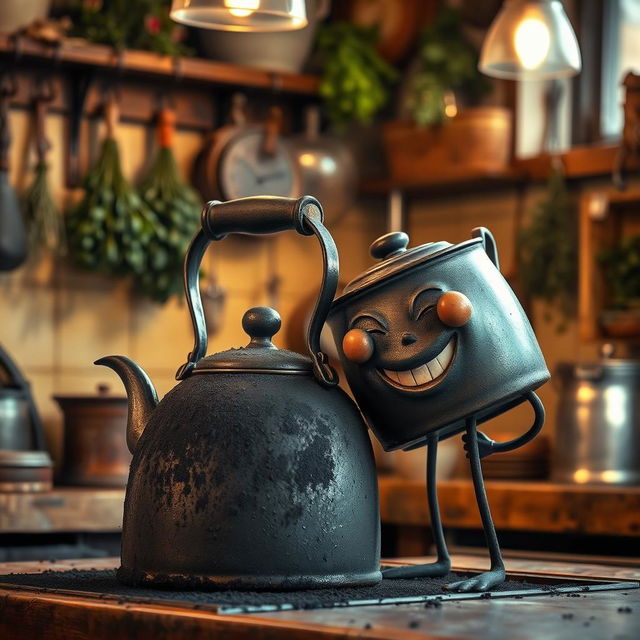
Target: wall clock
{"points": [[245, 159]]}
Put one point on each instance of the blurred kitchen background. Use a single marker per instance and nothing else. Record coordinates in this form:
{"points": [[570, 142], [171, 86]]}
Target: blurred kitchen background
{"points": [[377, 108]]}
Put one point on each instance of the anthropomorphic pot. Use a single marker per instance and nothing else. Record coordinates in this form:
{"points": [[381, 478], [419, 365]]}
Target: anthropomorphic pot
{"points": [[433, 341]]}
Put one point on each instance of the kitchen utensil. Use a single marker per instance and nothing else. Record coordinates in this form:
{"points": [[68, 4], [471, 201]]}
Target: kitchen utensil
{"points": [[177, 209], [20, 426], [256, 471], [433, 341], [95, 443], [24, 464], [13, 236], [327, 167], [45, 225], [598, 421]]}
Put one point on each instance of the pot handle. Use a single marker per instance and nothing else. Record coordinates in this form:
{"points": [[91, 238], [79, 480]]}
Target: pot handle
{"points": [[16, 378], [489, 243], [262, 215]]}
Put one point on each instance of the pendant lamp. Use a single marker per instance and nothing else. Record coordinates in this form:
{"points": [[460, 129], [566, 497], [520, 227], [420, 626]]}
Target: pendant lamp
{"points": [[241, 15], [530, 40]]}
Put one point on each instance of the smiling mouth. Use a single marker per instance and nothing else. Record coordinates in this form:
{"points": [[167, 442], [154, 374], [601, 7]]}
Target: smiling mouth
{"points": [[426, 375]]}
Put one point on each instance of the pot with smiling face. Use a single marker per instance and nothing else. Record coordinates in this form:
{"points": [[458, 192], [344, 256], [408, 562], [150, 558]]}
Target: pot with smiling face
{"points": [[431, 336]]}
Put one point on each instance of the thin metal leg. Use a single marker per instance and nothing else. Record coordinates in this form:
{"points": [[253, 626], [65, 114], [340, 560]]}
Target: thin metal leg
{"points": [[496, 574], [442, 565]]}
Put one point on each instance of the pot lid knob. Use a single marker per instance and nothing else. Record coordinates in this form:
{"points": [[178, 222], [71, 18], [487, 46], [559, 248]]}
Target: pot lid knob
{"points": [[261, 324], [389, 245]]}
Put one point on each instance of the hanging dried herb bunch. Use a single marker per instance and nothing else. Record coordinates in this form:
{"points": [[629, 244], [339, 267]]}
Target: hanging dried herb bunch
{"points": [[43, 218], [177, 208], [548, 249], [112, 230]]}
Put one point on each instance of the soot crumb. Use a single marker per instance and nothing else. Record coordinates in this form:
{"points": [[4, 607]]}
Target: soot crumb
{"points": [[414, 624], [625, 609], [567, 616]]}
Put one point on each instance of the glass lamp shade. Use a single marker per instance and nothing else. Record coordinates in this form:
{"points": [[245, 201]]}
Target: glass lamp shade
{"points": [[530, 40], [241, 15]]}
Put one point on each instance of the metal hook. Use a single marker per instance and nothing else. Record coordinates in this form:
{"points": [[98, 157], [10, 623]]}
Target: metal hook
{"points": [[8, 84]]}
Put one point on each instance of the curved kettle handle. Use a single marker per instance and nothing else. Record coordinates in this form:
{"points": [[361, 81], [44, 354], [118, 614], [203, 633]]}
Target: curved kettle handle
{"points": [[489, 243], [258, 215]]}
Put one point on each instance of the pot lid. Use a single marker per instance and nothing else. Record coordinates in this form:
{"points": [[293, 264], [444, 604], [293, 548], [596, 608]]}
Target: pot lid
{"points": [[260, 355], [395, 258]]}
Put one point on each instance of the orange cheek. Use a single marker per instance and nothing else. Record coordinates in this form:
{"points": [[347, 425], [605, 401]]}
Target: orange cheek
{"points": [[357, 346], [454, 309]]}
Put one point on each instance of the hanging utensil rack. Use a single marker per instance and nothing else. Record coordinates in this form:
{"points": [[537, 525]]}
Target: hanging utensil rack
{"points": [[200, 89]]}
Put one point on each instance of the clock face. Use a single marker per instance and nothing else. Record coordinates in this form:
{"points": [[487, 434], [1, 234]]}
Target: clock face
{"points": [[246, 171]]}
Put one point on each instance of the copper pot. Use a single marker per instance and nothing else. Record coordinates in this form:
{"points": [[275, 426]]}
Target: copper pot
{"points": [[95, 445]]}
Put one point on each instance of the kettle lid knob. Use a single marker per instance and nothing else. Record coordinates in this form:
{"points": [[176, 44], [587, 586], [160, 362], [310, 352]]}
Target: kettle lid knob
{"points": [[389, 245], [261, 324]]}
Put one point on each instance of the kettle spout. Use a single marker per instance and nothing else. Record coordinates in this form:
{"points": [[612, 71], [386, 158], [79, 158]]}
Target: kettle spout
{"points": [[140, 391]]}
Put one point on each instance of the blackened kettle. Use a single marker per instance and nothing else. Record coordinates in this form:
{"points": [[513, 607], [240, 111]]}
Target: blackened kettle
{"points": [[256, 470]]}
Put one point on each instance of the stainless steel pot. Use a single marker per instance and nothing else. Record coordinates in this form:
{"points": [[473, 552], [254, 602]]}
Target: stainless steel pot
{"points": [[598, 422]]}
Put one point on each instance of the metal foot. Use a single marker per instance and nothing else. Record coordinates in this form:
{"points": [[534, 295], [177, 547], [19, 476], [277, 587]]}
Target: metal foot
{"points": [[496, 574], [442, 565]]}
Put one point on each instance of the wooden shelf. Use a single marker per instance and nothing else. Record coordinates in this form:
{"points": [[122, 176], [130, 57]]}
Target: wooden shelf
{"points": [[79, 53], [449, 184], [578, 163], [545, 507], [67, 509]]}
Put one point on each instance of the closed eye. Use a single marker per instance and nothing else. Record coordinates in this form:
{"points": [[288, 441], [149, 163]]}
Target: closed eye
{"points": [[423, 312], [369, 323]]}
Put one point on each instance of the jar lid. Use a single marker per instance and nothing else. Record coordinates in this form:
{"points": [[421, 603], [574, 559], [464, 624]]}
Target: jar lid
{"points": [[395, 258], [260, 355]]}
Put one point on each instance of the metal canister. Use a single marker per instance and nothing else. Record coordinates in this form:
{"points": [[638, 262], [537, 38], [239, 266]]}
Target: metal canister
{"points": [[598, 422]]}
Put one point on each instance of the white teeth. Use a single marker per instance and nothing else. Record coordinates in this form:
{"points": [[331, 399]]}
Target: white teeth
{"points": [[392, 374], [435, 368], [424, 373], [406, 379]]}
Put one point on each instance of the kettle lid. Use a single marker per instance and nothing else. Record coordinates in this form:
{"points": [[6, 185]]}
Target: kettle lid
{"points": [[260, 355], [391, 250]]}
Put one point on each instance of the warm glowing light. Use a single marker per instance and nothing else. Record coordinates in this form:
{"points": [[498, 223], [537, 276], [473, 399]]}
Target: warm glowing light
{"points": [[581, 476], [586, 393], [241, 8], [307, 159], [612, 475], [532, 42], [450, 106]]}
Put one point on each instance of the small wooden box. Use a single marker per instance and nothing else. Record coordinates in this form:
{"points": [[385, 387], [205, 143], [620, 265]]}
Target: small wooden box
{"points": [[476, 141]]}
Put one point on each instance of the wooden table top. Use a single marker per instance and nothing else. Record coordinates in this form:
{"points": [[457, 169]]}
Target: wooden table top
{"points": [[26, 615]]}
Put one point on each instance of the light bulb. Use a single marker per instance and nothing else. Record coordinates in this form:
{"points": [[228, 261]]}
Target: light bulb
{"points": [[241, 8], [532, 42]]}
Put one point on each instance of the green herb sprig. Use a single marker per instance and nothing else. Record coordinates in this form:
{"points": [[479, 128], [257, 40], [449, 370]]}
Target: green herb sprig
{"points": [[177, 208], [112, 229], [355, 80], [548, 249]]}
